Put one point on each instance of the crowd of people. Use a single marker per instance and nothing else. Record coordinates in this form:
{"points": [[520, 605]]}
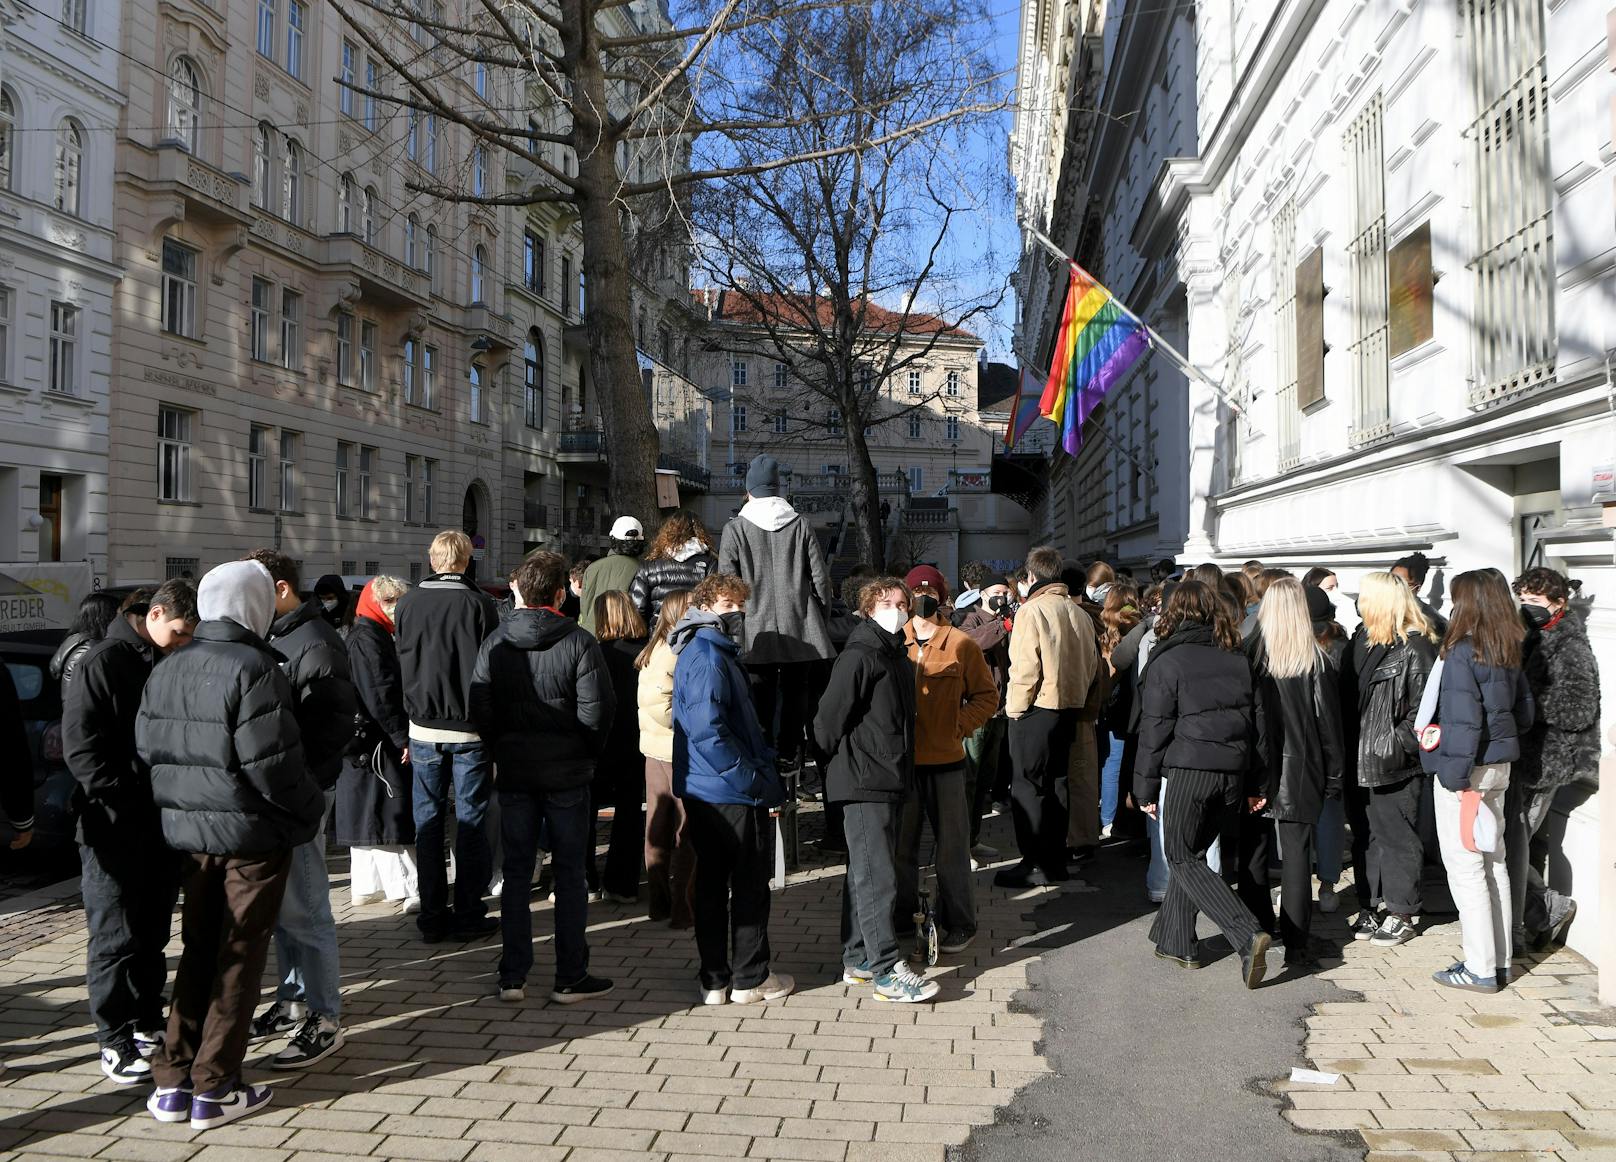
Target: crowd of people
{"points": [[215, 733]]}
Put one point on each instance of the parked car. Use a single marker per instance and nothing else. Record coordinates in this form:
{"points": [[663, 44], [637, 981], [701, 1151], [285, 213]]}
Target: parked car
{"points": [[27, 655]]}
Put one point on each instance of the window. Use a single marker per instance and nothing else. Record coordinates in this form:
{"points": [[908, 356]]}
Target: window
{"points": [[581, 303], [367, 355], [951, 429], [834, 421], [295, 10], [474, 385], [368, 207], [64, 342], [69, 166], [914, 425], [429, 143], [75, 14], [345, 337], [373, 76], [258, 320], [737, 373], [344, 499], [345, 201], [291, 182], [429, 471], [266, 28], [533, 380], [345, 77], [291, 330], [367, 461], [415, 572], [8, 123], [917, 476], [409, 371], [914, 381], [373, 567], [181, 568], [781, 376], [5, 334], [865, 378], [1366, 259], [533, 262], [479, 171], [179, 289], [257, 467], [184, 103], [479, 261], [1284, 272], [953, 382], [412, 135], [261, 149], [173, 454], [411, 469], [566, 285], [781, 423], [429, 360], [737, 417], [412, 227], [479, 79], [349, 567], [288, 476], [429, 257]]}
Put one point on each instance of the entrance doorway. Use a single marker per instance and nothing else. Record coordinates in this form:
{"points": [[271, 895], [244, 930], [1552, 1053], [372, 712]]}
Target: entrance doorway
{"points": [[50, 513]]}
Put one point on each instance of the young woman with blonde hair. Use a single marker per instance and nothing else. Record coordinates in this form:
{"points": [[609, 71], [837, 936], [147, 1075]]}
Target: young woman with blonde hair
{"points": [[1390, 658], [670, 862]]}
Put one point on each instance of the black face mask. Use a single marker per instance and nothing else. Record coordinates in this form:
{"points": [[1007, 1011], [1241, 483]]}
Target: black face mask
{"points": [[998, 602], [925, 606], [1537, 616], [733, 624]]}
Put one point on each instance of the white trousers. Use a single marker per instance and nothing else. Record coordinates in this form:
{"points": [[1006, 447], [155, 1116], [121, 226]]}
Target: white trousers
{"points": [[1478, 881]]}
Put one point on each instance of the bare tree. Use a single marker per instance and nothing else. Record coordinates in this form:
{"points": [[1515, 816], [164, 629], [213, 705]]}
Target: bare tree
{"points": [[623, 112]]}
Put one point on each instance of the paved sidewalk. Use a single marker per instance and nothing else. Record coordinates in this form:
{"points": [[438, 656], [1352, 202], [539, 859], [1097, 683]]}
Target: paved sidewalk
{"points": [[436, 1068]]}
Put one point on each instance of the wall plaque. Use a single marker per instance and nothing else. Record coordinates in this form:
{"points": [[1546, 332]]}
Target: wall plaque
{"points": [[1310, 329], [1410, 287]]}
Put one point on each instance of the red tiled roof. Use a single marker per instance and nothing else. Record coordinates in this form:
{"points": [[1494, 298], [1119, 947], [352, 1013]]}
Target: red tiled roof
{"points": [[730, 307]]}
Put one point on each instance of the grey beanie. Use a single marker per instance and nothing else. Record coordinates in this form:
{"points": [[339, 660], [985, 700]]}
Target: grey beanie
{"points": [[763, 476]]}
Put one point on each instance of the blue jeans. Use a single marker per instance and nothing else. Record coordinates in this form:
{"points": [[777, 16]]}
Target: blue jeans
{"points": [[1330, 835], [466, 768], [565, 817], [1111, 779], [306, 932]]}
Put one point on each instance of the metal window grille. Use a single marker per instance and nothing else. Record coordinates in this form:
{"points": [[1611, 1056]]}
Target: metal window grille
{"points": [[1366, 259]]}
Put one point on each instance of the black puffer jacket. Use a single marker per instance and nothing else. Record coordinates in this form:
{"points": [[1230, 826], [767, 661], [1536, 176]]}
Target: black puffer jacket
{"points": [[1198, 711], [1390, 681], [656, 579], [113, 798], [374, 791], [1563, 675], [317, 666], [866, 719], [1483, 711], [1301, 731], [439, 626], [621, 747], [218, 728], [542, 698]]}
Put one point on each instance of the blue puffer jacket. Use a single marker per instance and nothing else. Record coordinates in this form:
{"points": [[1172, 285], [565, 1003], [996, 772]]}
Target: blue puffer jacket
{"points": [[719, 755], [1483, 711]]}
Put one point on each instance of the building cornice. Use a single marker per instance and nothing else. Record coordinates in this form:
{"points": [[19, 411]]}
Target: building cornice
{"points": [[29, 51]]}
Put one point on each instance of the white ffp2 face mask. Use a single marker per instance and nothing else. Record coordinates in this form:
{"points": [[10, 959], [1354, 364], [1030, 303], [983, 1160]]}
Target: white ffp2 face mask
{"points": [[889, 619], [1023, 588]]}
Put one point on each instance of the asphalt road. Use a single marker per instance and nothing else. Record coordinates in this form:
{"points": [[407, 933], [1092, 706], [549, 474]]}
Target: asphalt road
{"points": [[1153, 1061]]}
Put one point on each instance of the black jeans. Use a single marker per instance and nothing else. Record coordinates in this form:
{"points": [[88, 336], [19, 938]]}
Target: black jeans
{"points": [[129, 900], [1297, 847], [868, 936], [620, 782], [564, 818], [1254, 840], [1365, 875], [734, 859], [1396, 849], [1201, 802], [788, 686], [1040, 749], [938, 797]]}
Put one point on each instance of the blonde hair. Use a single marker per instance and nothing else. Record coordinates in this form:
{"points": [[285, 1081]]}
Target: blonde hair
{"points": [[674, 606], [1287, 630], [616, 617], [450, 551], [386, 590], [1388, 609]]}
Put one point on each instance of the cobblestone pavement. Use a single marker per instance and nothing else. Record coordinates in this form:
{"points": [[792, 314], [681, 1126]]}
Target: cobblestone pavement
{"points": [[1435, 1074]]}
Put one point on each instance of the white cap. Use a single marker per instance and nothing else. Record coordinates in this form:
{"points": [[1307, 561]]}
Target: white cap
{"points": [[626, 528]]}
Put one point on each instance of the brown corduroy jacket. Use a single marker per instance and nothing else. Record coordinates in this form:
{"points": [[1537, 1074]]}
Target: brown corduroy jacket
{"points": [[955, 694]]}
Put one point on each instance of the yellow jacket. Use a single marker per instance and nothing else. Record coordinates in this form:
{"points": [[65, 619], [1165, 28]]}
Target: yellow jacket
{"points": [[1054, 654], [655, 698]]}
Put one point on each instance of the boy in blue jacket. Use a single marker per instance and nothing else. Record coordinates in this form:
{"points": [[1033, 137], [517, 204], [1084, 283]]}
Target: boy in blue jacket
{"points": [[724, 772]]}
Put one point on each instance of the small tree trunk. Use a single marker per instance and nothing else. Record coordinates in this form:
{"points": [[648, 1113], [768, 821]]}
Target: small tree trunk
{"points": [[866, 496]]}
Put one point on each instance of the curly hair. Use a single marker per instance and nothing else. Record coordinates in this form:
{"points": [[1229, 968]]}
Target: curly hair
{"points": [[1195, 603], [1542, 582], [1119, 614], [716, 586], [679, 527], [872, 591]]}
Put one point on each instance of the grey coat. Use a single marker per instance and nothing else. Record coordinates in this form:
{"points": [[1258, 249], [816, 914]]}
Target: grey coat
{"points": [[791, 590]]}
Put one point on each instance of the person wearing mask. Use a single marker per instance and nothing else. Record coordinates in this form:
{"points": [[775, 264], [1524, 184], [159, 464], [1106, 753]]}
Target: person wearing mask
{"points": [[439, 626], [1470, 733], [866, 725], [1199, 732], [620, 771], [1300, 702], [542, 698], [1054, 658], [724, 772], [130, 879], [374, 816], [1097, 583], [1390, 658], [955, 695], [308, 1001], [1560, 748], [1413, 570], [331, 595], [218, 730], [670, 862], [96, 613], [1318, 577], [679, 557], [988, 624], [771, 548], [573, 606], [614, 572]]}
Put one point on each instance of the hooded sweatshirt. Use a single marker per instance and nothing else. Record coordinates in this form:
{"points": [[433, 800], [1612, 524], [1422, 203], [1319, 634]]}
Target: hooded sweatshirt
{"points": [[770, 547], [719, 755]]}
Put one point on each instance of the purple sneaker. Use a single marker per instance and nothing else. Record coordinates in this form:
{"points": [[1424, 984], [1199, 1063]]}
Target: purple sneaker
{"points": [[171, 1105], [223, 1106]]}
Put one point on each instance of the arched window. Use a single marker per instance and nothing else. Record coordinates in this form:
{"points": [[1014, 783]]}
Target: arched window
{"points": [[263, 147], [184, 103], [371, 224], [345, 204], [69, 165], [479, 263], [429, 257], [533, 379], [474, 399], [292, 183], [479, 171], [8, 120], [412, 228]]}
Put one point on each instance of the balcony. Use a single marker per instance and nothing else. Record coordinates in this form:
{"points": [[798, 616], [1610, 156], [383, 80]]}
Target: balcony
{"points": [[494, 332], [961, 482], [384, 281], [582, 444], [692, 476], [212, 197], [575, 338], [935, 519]]}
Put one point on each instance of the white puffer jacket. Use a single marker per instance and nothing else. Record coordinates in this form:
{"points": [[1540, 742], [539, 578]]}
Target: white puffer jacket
{"points": [[656, 704]]}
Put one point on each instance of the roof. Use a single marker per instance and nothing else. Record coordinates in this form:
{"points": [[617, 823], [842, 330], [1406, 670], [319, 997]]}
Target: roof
{"points": [[995, 384], [731, 307]]}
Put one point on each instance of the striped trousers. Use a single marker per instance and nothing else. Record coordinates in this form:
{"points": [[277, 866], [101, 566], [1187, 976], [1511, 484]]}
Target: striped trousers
{"points": [[1202, 800]]}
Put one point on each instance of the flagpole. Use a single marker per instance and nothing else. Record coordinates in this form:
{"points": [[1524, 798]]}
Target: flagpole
{"points": [[1156, 340]]}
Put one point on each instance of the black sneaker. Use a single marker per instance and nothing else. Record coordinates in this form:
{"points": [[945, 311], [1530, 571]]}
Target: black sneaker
{"points": [[475, 929], [123, 1064], [1366, 925], [281, 1019], [318, 1039], [1020, 876], [1393, 930], [583, 989]]}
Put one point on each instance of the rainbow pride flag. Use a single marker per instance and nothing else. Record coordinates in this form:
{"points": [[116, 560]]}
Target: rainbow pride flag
{"points": [[1099, 342], [1025, 411]]}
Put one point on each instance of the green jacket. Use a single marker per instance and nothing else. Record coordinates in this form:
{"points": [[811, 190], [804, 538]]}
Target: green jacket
{"points": [[612, 572]]}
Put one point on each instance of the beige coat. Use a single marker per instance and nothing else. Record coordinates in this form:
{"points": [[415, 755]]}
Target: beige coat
{"points": [[1054, 654], [655, 697]]}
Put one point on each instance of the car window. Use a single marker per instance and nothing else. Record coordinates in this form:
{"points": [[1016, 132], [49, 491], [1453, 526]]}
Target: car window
{"points": [[29, 680]]}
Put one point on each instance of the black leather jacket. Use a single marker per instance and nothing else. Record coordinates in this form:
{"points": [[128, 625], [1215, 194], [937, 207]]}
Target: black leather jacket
{"points": [[1390, 680]]}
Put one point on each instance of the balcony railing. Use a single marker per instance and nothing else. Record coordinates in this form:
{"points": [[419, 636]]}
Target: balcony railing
{"points": [[970, 481], [690, 473]]}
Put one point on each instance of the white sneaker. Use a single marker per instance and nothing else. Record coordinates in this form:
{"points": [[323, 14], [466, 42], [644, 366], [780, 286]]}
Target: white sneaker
{"points": [[366, 899], [776, 987], [714, 996], [512, 993], [412, 905], [1105, 832], [984, 853], [1329, 899]]}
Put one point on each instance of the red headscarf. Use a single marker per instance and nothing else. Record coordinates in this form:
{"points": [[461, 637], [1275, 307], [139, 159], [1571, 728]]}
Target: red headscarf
{"points": [[369, 607]]}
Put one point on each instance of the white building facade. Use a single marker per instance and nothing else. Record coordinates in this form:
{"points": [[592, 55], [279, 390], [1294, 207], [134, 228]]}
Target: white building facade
{"points": [[1391, 236]]}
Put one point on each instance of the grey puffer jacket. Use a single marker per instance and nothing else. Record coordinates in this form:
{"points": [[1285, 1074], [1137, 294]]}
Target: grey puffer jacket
{"points": [[771, 548], [1563, 744]]}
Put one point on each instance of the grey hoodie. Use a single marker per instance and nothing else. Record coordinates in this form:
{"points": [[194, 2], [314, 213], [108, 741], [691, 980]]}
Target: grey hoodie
{"points": [[238, 591], [692, 623]]}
